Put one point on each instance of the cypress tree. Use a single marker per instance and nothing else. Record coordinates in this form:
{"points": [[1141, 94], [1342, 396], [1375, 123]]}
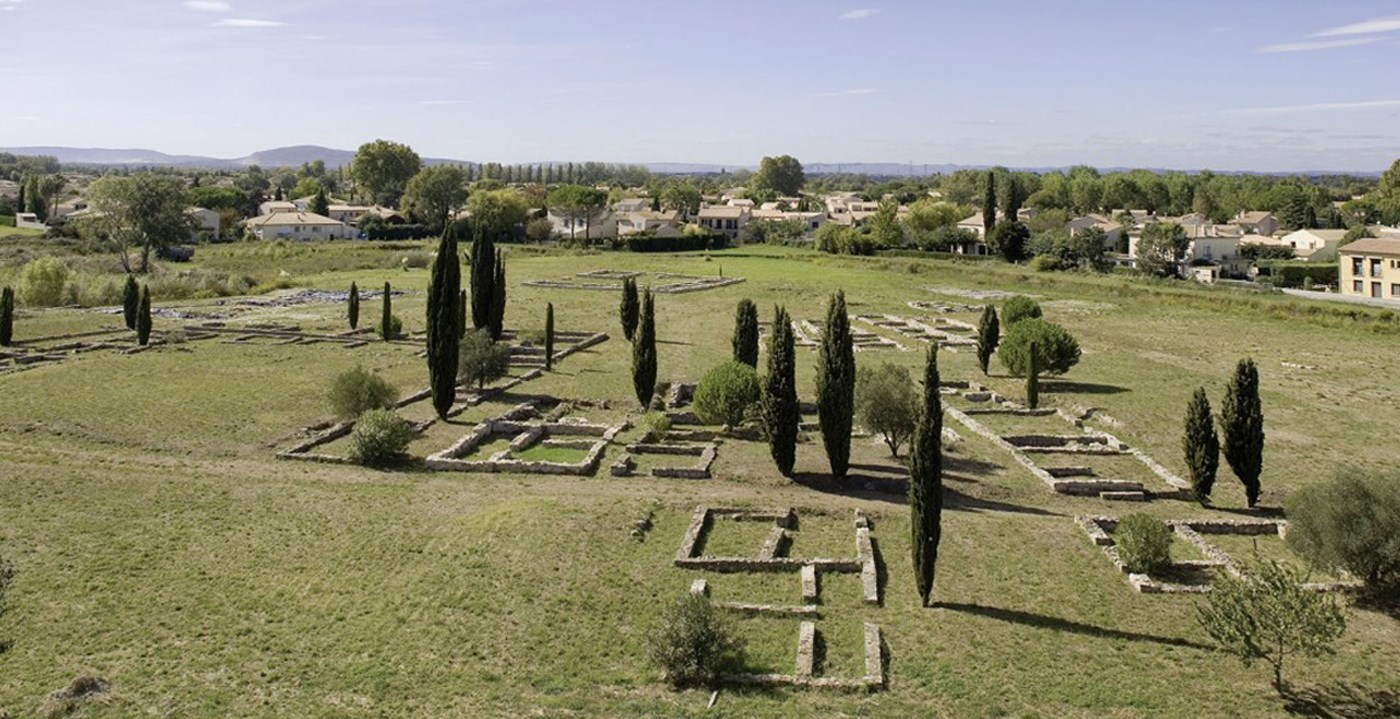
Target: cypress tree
{"points": [[462, 311], [1242, 427], [836, 385], [630, 308], [781, 414], [644, 353], [444, 302], [143, 318], [989, 204], [926, 481], [483, 276], [498, 298], [7, 317], [386, 318], [988, 336], [549, 335], [1201, 445], [131, 300], [352, 306], [1033, 377], [746, 333]]}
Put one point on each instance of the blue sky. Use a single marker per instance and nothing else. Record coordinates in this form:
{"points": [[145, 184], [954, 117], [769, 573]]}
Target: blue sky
{"points": [[1225, 84]]}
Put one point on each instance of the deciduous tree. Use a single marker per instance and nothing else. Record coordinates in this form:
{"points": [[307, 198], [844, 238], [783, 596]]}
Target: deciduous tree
{"points": [[782, 175], [384, 168]]}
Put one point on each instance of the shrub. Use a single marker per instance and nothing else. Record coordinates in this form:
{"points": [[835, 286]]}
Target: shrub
{"points": [[380, 437], [886, 403], [1047, 263], [684, 243], [727, 394], [357, 391], [1351, 523], [42, 282], [482, 360], [1057, 349], [1144, 543], [693, 644], [1019, 308], [657, 424]]}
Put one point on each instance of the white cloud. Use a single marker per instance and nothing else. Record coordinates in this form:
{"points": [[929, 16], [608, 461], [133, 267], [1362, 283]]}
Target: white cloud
{"points": [[1380, 24], [1316, 107], [244, 22], [1318, 45], [860, 13], [208, 5]]}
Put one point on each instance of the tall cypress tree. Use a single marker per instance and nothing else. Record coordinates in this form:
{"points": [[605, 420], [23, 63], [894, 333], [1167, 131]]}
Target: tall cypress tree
{"points": [[463, 309], [746, 333], [386, 317], [549, 335], [131, 301], [836, 385], [143, 318], [989, 204], [7, 317], [444, 302], [498, 298], [630, 309], [988, 336], [483, 277], [1033, 377], [1201, 445], [926, 481], [1242, 427], [781, 413], [644, 353], [352, 306]]}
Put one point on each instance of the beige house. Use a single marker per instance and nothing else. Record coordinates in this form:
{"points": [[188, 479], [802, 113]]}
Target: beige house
{"points": [[1370, 267], [645, 220], [1258, 222], [1315, 245], [274, 206], [298, 226], [810, 220], [1112, 231], [728, 219]]}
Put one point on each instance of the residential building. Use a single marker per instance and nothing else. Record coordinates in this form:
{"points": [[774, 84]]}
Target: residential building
{"points": [[274, 206], [603, 225], [1257, 222], [205, 221], [633, 204], [1112, 231], [976, 225], [298, 226], [645, 220], [1315, 245], [1370, 267], [29, 221], [809, 220], [728, 219]]}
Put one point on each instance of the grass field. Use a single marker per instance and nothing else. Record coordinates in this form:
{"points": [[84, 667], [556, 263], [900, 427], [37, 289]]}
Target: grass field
{"points": [[159, 545]]}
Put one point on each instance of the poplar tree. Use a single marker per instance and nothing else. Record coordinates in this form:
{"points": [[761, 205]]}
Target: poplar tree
{"points": [[7, 316], [498, 298], [386, 318], [630, 308], [926, 481], [988, 336], [644, 353], [352, 306], [836, 384], [746, 333], [1242, 427], [143, 318], [483, 277], [549, 336], [781, 412], [444, 301], [1033, 377], [1201, 445], [131, 301]]}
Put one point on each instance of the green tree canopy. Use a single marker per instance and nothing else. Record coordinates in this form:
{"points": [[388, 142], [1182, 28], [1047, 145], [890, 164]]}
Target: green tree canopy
{"points": [[497, 212], [435, 194], [384, 168], [780, 175], [144, 210]]}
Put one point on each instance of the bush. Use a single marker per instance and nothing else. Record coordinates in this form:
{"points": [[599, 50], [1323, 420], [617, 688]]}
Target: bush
{"points": [[1294, 274], [42, 282], [380, 437], [482, 360], [694, 645], [357, 391], [1019, 308], [887, 404], [1351, 523], [1047, 263], [1144, 543], [1058, 350], [684, 243], [657, 424], [727, 394]]}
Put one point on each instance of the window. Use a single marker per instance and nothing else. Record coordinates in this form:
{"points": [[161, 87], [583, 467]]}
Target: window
{"points": [[1375, 267], [1356, 286], [1356, 266], [1394, 290]]}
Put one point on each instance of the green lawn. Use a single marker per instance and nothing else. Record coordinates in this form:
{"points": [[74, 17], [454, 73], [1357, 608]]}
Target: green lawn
{"points": [[160, 545]]}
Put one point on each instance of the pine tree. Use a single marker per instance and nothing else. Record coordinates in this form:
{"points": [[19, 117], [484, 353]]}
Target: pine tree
{"points": [[320, 204], [549, 336], [781, 413], [836, 383], [483, 277], [143, 318], [1201, 445], [1242, 428], [444, 302], [989, 204], [498, 298], [988, 336], [131, 301], [644, 353], [386, 318], [352, 309], [630, 308], [7, 316], [746, 333], [1033, 377], [926, 481]]}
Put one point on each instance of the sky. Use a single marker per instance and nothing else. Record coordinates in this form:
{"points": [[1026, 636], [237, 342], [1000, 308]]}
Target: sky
{"points": [[1221, 84]]}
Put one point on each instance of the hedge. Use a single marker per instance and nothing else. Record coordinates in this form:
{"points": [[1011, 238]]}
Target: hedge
{"points": [[398, 232], [1292, 274], [684, 243], [7, 220]]}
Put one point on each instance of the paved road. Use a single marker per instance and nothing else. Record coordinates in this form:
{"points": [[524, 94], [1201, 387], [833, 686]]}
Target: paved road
{"points": [[1351, 299]]}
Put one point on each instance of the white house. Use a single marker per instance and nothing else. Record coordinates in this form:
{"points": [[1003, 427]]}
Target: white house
{"points": [[298, 226], [727, 219], [29, 221], [1315, 245], [275, 206], [1258, 222], [204, 221], [602, 225], [1112, 231]]}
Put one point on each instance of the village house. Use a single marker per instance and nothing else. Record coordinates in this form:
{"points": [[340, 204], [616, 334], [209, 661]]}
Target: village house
{"points": [[1314, 245], [1112, 231], [1257, 222], [728, 219], [274, 206], [297, 226], [602, 225], [646, 220], [1370, 267]]}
